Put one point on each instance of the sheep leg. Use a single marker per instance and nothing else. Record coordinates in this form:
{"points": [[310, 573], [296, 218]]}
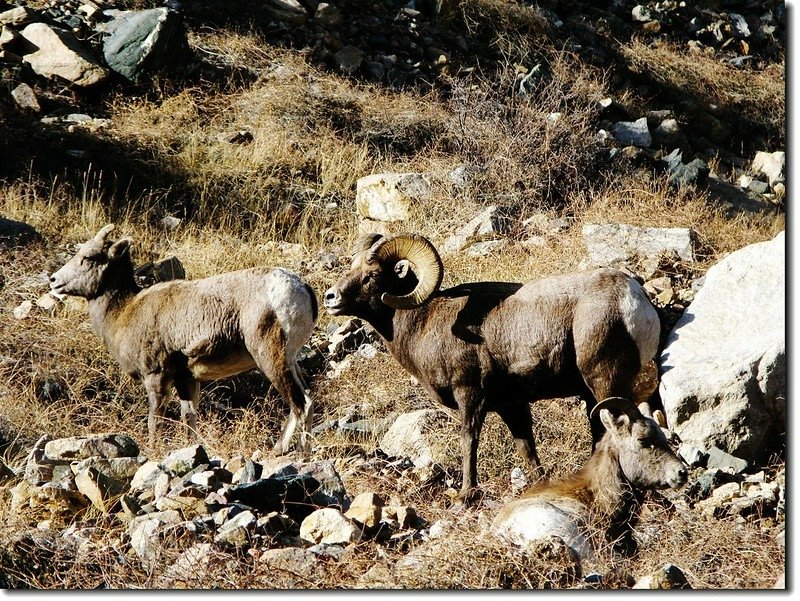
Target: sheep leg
{"points": [[517, 419], [308, 410], [471, 405], [189, 394], [286, 382], [157, 387], [606, 370]]}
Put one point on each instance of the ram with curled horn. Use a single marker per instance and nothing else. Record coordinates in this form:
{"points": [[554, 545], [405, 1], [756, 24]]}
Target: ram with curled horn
{"points": [[497, 346]]}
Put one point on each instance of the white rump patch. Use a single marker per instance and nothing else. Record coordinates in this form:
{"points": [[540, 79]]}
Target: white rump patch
{"points": [[293, 306], [641, 320]]}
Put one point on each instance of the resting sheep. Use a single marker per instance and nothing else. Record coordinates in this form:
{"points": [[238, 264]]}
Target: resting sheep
{"points": [[496, 346], [631, 457], [179, 333]]}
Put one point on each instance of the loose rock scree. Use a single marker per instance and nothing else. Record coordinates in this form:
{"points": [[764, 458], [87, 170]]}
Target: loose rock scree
{"points": [[179, 333], [632, 456], [496, 346]]}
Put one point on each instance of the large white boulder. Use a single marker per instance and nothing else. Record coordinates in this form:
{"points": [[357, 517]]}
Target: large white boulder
{"points": [[723, 369]]}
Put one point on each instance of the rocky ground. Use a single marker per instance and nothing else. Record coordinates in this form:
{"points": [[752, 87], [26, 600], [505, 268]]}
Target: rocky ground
{"points": [[523, 139]]}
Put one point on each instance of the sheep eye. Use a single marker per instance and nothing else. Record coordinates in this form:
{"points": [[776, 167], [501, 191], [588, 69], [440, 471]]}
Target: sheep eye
{"points": [[646, 443]]}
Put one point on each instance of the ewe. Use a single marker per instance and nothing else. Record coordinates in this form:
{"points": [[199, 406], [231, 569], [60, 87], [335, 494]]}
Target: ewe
{"points": [[632, 456], [179, 333]]}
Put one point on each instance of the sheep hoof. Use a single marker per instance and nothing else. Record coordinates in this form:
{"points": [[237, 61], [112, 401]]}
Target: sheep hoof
{"points": [[471, 496]]}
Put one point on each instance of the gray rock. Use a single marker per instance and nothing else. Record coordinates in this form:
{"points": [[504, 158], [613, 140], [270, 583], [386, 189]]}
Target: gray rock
{"points": [[390, 196], [190, 501], [723, 369], [95, 445], [488, 225], [667, 577], [275, 523], [16, 233], [680, 173], [189, 567], [641, 14], [613, 244], [719, 459], [7, 36], [289, 11], [16, 16], [634, 133], [159, 271], [771, 164], [237, 531], [417, 435], [100, 489], [668, 134], [327, 15], [484, 248], [329, 526], [146, 475], [349, 59], [144, 532], [23, 310], [290, 492], [25, 98], [171, 223], [59, 54], [692, 455], [122, 469], [142, 42], [739, 25], [292, 559], [327, 551], [184, 460]]}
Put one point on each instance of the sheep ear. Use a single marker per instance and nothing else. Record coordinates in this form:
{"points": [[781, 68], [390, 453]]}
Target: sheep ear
{"points": [[402, 268], [614, 424], [119, 248]]}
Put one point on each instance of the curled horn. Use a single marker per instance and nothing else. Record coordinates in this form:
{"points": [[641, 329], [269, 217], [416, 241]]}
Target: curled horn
{"points": [[619, 404], [426, 263], [365, 242], [103, 233]]}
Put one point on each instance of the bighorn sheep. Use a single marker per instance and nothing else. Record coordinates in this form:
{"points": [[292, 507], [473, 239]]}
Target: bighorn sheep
{"points": [[179, 333], [496, 346], [606, 493]]}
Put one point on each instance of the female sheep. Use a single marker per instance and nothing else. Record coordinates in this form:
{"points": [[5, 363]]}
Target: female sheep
{"points": [[179, 333]]}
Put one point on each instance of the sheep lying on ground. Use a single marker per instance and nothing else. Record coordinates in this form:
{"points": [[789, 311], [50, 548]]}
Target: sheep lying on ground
{"points": [[179, 333], [633, 456], [496, 346]]}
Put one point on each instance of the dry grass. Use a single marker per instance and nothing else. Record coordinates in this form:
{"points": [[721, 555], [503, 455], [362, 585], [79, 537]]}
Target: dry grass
{"points": [[314, 135], [758, 96]]}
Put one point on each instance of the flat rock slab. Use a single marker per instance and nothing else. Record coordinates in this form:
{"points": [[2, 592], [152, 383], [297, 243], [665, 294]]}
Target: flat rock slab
{"points": [[615, 243], [97, 445]]}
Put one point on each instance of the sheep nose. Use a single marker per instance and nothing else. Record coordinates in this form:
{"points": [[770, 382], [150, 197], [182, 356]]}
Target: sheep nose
{"points": [[53, 279], [331, 297]]}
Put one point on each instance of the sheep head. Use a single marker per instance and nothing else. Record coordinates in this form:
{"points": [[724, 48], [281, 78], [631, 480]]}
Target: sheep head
{"points": [[645, 456], [401, 272], [88, 273]]}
